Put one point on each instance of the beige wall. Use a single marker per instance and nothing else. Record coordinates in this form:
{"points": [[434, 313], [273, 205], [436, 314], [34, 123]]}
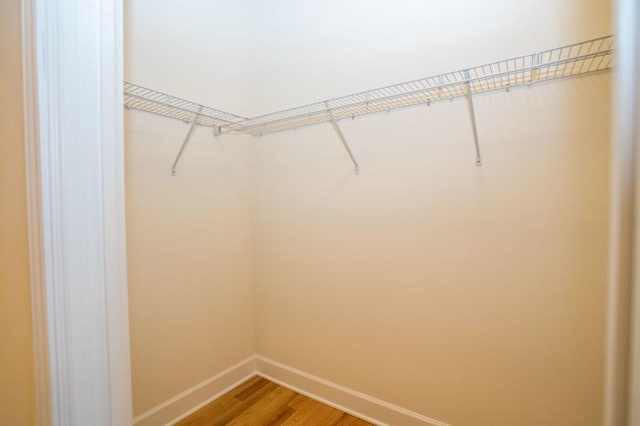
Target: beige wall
{"points": [[188, 236], [17, 403], [471, 295]]}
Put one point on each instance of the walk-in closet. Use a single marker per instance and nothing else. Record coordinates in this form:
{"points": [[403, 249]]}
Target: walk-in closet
{"points": [[329, 213], [397, 209]]}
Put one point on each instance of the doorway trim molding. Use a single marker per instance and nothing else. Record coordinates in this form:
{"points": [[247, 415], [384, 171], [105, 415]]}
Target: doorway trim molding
{"points": [[72, 69], [622, 346]]}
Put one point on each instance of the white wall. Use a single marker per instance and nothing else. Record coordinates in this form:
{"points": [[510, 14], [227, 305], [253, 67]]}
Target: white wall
{"points": [[189, 237], [309, 51], [198, 50], [472, 295]]}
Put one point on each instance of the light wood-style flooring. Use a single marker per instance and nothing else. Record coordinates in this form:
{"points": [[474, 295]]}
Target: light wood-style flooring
{"points": [[261, 402]]}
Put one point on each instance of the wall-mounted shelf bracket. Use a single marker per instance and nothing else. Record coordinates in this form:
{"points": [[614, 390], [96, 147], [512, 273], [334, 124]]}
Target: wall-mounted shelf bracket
{"points": [[336, 128], [472, 116], [192, 127], [535, 70]]}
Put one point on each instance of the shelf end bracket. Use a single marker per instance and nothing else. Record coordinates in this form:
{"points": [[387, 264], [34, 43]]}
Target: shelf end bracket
{"points": [[472, 117], [185, 142], [336, 128]]}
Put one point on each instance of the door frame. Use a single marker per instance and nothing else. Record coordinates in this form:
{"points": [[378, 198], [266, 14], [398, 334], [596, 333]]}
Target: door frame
{"points": [[74, 133], [622, 356]]}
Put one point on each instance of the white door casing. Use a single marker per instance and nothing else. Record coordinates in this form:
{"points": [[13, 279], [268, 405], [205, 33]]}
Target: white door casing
{"points": [[75, 161]]}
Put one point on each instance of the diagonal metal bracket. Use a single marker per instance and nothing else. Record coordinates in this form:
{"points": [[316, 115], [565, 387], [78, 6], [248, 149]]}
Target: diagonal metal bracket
{"points": [[336, 128], [472, 117], [185, 142]]}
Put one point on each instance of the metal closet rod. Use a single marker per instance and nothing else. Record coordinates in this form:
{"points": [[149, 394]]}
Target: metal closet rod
{"points": [[582, 58]]}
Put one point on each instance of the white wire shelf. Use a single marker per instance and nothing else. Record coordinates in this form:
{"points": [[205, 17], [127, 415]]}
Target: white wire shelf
{"points": [[576, 59], [149, 100], [573, 60]]}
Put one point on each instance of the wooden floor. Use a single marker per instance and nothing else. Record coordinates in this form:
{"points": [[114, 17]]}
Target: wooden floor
{"points": [[261, 402]]}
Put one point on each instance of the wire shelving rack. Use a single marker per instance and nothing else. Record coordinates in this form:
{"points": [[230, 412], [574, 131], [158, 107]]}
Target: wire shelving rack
{"points": [[573, 60], [562, 62], [149, 100]]}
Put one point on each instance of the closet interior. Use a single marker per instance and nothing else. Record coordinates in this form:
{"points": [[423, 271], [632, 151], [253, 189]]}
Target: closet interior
{"points": [[304, 205]]}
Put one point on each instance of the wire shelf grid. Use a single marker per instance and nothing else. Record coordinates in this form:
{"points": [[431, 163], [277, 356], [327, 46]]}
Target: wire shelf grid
{"points": [[572, 60], [149, 100]]}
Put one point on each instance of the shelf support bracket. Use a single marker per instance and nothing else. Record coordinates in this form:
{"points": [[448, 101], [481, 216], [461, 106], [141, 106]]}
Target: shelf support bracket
{"points": [[535, 71], [185, 142], [472, 117], [336, 128]]}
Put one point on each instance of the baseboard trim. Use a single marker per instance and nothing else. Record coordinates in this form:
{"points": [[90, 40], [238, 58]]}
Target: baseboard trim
{"points": [[189, 401], [356, 403], [366, 407]]}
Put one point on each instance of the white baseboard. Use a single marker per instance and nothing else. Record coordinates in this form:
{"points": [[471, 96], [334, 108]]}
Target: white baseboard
{"points": [[361, 405], [196, 397], [366, 407]]}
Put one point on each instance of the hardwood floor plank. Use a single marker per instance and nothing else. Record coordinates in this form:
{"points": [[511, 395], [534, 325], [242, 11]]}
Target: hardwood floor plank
{"points": [[267, 410], [299, 399], [283, 416], [224, 418], [250, 390], [259, 402], [222, 404], [323, 415], [221, 414], [303, 407]]}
